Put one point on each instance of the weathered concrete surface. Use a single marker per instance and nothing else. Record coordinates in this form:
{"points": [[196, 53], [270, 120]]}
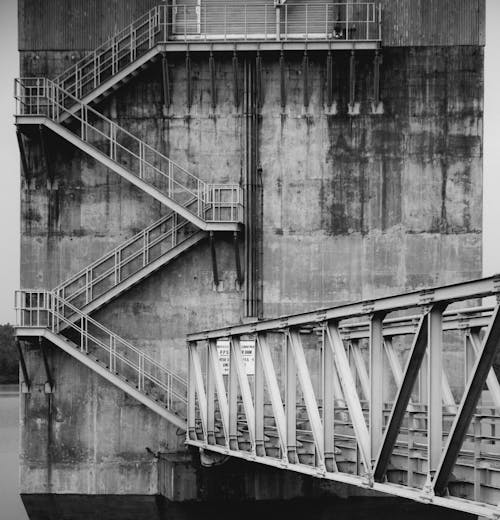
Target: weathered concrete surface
{"points": [[353, 207]]}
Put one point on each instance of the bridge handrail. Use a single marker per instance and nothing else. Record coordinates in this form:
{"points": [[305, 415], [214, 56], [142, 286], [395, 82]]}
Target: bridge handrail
{"points": [[469, 290]]}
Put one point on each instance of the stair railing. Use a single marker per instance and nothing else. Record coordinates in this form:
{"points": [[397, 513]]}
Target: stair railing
{"points": [[125, 260], [45, 309], [43, 97], [119, 51]]}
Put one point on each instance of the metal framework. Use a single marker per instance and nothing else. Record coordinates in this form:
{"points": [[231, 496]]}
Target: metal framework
{"points": [[210, 207], [328, 397], [44, 314], [223, 26]]}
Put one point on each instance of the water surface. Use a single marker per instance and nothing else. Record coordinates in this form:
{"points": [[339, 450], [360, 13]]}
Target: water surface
{"points": [[11, 507]]}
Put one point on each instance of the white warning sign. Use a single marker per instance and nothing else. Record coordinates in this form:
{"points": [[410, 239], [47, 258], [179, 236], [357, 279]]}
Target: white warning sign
{"points": [[247, 352]]}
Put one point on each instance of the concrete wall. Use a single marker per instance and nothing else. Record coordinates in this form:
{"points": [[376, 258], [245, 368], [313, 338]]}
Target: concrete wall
{"points": [[353, 206]]}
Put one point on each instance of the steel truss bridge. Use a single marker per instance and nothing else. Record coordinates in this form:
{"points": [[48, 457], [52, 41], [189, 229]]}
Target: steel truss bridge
{"points": [[362, 394], [367, 393]]}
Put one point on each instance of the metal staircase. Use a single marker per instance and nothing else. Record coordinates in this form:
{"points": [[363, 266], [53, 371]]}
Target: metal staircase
{"points": [[129, 263], [117, 59], [216, 207], [44, 314], [62, 315]]}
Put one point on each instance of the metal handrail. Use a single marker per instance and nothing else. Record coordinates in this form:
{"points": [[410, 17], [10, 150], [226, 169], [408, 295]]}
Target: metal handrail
{"points": [[85, 281], [43, 97], [221, 21], [45, 309]]}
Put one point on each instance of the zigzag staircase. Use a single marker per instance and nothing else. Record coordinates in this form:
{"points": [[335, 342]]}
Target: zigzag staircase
{"points": [[211, 207], [62, 315], [118, 59]]}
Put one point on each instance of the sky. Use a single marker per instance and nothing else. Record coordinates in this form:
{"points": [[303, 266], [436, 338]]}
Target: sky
{"points": [[9, 154]]}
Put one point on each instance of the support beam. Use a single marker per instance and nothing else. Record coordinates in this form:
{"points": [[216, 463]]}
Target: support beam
{"points": [[291, 403], [233, 401], [219, 387], [236, 80], [191, 397], [197, 376], [238, 364], [350, 393], [189, 89], [434, 388], [165, 76], [491, 380], [308, 395], [45, 152], [329, 79], [210, 401], [360, 366], [273, 390], [49, 385], [468, 404], [376, 395], [402, 399], [258, 80], [236, 243], [305, 79], [353, 108], [25, 383], [377, 105], [260, 449], [213, 86], [282, 81], [22, 153], [214, 259], [328, 366]]}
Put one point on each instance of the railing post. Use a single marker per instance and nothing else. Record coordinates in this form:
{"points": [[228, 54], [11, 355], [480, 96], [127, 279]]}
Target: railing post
{"points": [[307, 22], [141, 160], [113, 56], [145, 246], [170, 178], [174, 229]]}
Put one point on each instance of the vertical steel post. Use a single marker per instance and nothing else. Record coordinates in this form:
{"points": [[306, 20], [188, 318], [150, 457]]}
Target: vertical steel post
{"points": [[328, 366], [210, 401], [291, 402], [233, 401], [191, 408], [259, 402], [376, 382], [434, 385]]}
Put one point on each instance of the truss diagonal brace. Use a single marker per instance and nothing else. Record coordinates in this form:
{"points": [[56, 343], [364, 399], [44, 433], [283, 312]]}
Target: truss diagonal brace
{"points": [[308, 393], [273, 390], [402, 399], [468, 404], [220, 389], [246, 394], [350, 393]]}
